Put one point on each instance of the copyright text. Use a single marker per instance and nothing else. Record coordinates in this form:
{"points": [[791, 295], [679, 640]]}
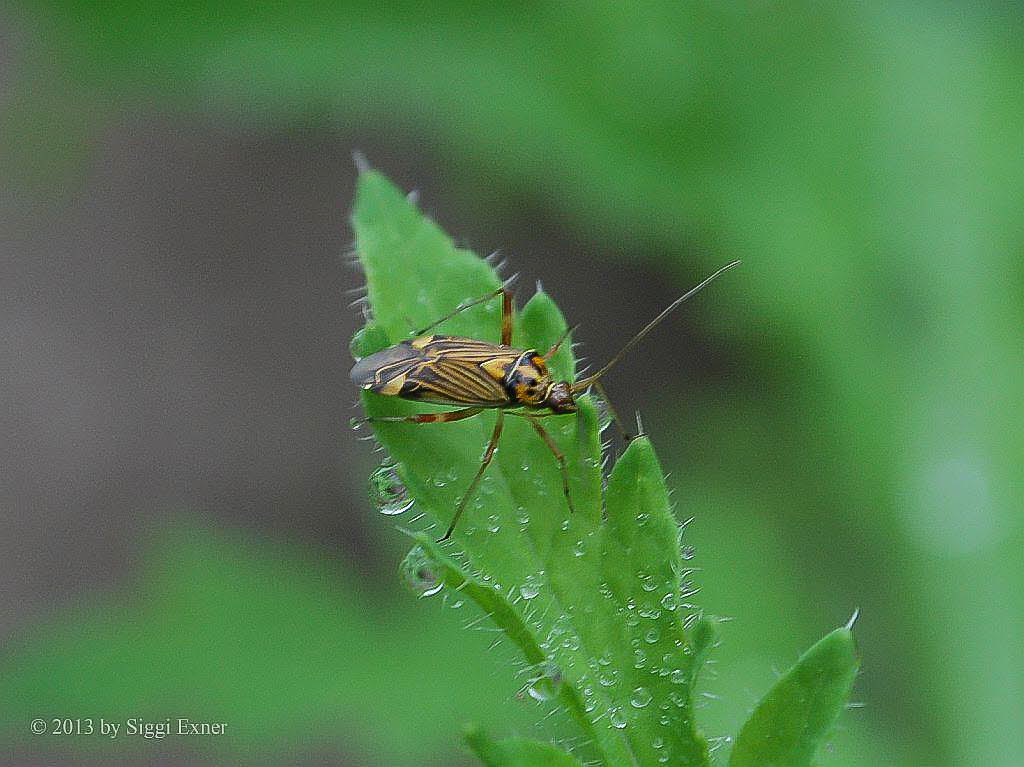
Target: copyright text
{"points": [[149, 729]]}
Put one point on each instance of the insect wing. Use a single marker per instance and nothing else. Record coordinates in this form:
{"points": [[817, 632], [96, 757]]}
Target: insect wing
{"points": [[440, 369], [386, 371], [454, 381]]}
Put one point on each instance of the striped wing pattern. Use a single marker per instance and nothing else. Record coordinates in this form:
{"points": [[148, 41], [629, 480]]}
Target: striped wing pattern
{"points": [[441, 369]]}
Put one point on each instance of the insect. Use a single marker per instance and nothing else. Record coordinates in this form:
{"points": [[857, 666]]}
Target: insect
{"points": [[449, 370]]}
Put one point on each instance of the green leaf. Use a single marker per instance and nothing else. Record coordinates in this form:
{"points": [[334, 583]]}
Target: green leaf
{"points": [[516, 752], [796, 715], [592, 599]]}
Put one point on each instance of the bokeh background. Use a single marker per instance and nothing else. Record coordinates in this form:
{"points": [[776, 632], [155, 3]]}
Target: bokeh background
{"points": [[184, 527]]}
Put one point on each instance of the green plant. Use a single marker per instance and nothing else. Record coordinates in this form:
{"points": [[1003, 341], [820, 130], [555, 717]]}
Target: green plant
{"points": [[596, 601]]}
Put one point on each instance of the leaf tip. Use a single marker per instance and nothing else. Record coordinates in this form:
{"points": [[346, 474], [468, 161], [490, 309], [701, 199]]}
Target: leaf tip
{"points": [[640, 453]]}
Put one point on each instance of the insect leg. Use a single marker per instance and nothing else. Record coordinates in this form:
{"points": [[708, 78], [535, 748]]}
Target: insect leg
{"points": [[559, 342], [488, 455], [559, 456], [451, 415], [506, 318], [506, 308]]}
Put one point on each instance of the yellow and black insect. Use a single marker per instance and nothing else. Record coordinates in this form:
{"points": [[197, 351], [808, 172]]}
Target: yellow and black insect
{"points": [[449, 370]]}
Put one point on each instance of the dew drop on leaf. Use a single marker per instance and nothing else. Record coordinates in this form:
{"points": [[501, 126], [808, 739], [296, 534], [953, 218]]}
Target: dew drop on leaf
{"points": [[640, 698], [547, 684], [420, 573], [529, 587], [387, 492], [617, 718]]}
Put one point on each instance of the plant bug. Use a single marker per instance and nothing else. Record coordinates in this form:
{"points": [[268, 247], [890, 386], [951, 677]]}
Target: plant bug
{"points": [[449, 370]]}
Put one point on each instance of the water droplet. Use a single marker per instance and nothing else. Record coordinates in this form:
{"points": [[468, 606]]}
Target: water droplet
{"points": [[565, 524], [688, 552], [651, 636], [529, 587], [420, 573], [640, 698], [647, 582], [658, 742], [387, 492], [669, 601], [678, 676], [608, 678], [547, 684], [642, 517], [492, 523], [617, 718]]}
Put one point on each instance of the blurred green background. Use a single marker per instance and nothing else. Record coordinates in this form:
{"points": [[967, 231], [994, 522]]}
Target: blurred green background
{"points": [[185, 529]]}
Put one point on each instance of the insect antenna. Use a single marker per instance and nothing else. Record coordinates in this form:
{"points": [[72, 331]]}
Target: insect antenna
{"points": [[590, 380]]}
